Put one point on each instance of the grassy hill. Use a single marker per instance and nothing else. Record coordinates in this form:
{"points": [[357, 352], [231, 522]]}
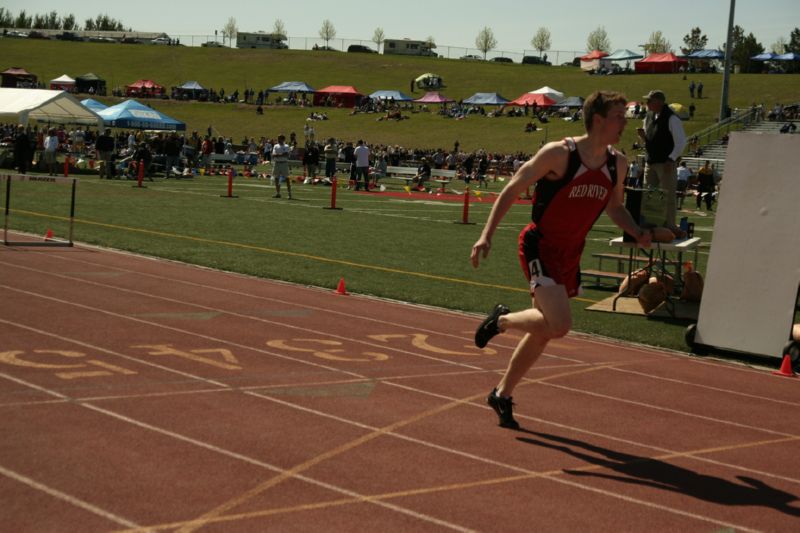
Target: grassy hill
{"points": [[233, 69]]}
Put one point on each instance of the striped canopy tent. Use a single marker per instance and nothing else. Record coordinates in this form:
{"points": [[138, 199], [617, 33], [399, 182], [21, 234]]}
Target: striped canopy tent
{"points": [[44, 106]]}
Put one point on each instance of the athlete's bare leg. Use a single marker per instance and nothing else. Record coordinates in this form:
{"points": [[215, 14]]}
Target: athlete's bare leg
{"points": [[550, 318]]}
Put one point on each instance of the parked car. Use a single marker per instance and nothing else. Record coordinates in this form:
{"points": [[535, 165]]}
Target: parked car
{"points": [[472, 57], [574, 63], [361, 49], [15, 34], [534, 60], [502, 60], [324, 48], [161, 40], [69, 36], [102, 40], [213, 44]]}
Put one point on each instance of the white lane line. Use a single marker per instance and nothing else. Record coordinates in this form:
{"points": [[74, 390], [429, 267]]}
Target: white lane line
{"points": [[67, 498]]}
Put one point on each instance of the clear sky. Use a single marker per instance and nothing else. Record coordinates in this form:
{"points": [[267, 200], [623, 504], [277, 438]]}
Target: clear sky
{"points": [[452, 23]]}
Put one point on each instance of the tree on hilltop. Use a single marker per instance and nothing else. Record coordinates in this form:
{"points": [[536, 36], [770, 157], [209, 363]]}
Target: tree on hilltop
{"points": [[378, 37], [229, 30], [279, 28], [327, 31], [598, 40], [485, 40], [541, 41]]}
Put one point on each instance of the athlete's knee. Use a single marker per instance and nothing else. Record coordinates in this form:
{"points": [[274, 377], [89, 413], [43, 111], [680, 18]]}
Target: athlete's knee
{"points": [[558, 326]]}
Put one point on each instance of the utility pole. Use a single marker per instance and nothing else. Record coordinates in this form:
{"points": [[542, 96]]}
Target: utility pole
{"points": [[723, 106]]}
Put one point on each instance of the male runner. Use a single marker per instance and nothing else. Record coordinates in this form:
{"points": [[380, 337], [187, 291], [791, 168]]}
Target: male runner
{"points": [[576, 179]]}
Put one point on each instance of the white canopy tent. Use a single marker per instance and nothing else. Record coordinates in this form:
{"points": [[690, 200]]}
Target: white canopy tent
{"points": [[63, 83], [549, 92], [24, 105]]}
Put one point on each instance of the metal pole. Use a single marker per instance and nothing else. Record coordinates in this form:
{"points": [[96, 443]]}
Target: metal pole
{"points": [[72, 210], [8, 196], [723, 106]]}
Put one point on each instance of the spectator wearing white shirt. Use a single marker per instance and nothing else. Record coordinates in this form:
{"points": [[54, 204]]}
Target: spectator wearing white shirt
{"points": [[280, 165], [664, 139], [361, 155], [684, 174], [50, 146]]}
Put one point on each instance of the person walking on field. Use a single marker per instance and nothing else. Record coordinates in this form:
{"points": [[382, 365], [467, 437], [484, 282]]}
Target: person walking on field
{"points": [[280, 166], [576, 179]]}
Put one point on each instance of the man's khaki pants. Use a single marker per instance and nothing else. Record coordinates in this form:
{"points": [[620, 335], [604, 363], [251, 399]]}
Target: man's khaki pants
{"points": [[663, 176]]}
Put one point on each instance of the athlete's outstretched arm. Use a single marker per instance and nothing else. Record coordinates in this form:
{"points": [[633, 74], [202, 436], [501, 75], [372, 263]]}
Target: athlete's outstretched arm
{"points": [[550, 159]]}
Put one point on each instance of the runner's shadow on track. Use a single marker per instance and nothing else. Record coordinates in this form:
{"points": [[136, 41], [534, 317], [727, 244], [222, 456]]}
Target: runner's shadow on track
{"points": [[650, 472]]}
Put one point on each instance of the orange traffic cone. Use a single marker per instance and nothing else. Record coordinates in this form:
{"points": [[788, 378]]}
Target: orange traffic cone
{"points": [[48, 235], [786, 368], [340, 289]]}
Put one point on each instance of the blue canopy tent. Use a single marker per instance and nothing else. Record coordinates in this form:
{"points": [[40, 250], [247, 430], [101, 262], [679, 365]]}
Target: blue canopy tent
{"points": [[570, 101], [789, 56], [132, 114], [93, 104], [191, 90], [486, 99], [766, 56], [397, 96], [706, 54], [292, 87], [623, 54]]}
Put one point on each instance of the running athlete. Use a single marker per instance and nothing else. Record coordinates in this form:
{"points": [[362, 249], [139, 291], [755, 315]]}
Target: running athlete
{"points": [[577, 179]]}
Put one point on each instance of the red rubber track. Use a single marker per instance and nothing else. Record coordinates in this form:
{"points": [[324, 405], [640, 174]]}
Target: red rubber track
{"points": [[145, 394]]}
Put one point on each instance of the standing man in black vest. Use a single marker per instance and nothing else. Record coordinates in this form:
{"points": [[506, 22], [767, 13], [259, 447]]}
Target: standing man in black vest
{"points": [[664, 141]]}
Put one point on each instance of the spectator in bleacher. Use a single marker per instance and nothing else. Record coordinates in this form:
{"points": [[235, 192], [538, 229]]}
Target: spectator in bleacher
{"points": [[705, 185], [684, 175]]}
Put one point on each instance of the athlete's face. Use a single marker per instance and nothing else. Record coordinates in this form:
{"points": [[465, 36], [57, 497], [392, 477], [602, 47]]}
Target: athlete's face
{"points": [[614, 123]]}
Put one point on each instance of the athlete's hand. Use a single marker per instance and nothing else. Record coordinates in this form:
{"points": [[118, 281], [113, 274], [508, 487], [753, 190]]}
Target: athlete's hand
{"points": [[482, 247]]}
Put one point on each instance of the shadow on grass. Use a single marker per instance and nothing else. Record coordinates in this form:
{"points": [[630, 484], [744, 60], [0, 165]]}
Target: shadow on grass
{"points": [[650, 472]]}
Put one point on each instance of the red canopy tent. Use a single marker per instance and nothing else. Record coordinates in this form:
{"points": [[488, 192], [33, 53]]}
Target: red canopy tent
{"points": [[594, 60], [144, 88], [433, 97], [541, 100], [660, 64], [340, 95]]}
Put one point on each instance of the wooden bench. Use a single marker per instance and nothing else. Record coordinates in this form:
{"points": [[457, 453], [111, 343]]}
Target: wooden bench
{"points": [[600, 274], [405, 174]]}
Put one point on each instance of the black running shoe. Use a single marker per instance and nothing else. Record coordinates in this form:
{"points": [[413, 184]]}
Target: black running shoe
{"points": [[488, 327], [504, 409]]}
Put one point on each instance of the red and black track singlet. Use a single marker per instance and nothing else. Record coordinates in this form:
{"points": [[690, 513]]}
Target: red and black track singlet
{"points": [[564, 211]]}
